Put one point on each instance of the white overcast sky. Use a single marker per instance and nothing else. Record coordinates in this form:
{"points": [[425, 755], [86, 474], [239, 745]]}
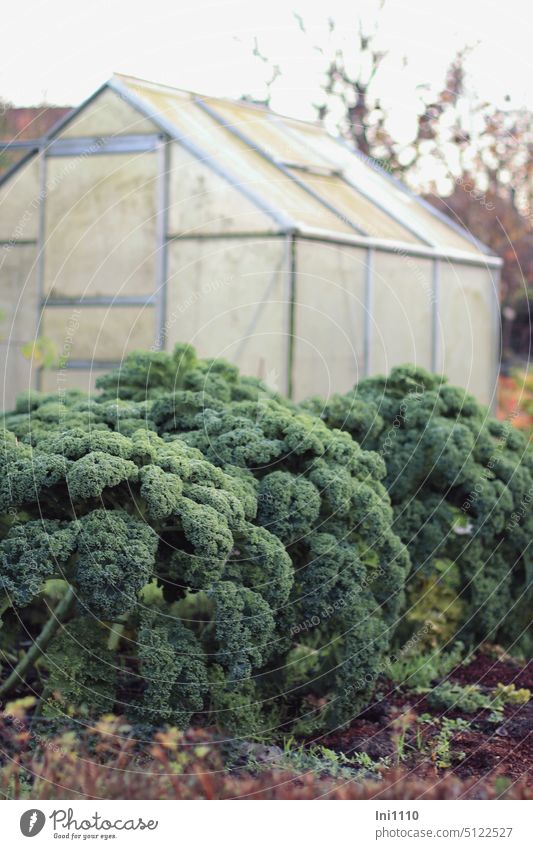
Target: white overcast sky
{"points": [[60, 50]]}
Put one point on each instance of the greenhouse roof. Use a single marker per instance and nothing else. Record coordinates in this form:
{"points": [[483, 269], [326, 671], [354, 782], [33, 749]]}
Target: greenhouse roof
{"points": [[306, 180], [347, 193]]}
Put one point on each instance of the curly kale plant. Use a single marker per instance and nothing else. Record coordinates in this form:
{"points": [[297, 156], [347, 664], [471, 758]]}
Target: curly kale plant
{"points": [[461, 485], [224, 557]]}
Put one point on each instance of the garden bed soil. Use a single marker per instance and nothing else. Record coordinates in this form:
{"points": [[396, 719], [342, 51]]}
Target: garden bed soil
{"points": [[483, 751]]}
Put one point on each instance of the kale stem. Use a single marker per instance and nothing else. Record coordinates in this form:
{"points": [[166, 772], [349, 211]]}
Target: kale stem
{"points": [[5, 604], [115, 634], [40, 644]]}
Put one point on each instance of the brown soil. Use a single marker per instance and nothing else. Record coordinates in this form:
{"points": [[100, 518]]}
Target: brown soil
{"points": [[486, 750]]}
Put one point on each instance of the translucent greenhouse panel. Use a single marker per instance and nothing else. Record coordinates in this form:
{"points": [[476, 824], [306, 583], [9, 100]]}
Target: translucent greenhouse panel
{"points": [[267, 131], [371, 220], [468, 328], [401, 312], [101, 225], [20, 203], [98, 333], [18, 294], [65, 379], [240, 160], [227, 298], [329, 318], [369, 178], [108, 115], [18, 318], [16, 374], [201, 201]]}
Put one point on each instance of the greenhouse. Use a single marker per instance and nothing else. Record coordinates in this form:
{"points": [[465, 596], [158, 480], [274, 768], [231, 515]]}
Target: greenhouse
{"points": [[151, 216]]}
